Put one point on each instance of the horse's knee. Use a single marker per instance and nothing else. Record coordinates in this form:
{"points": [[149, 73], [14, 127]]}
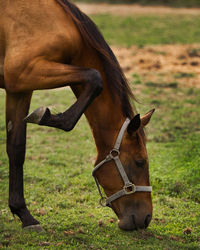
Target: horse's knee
{"points": [[16, 206], [95, 80]]}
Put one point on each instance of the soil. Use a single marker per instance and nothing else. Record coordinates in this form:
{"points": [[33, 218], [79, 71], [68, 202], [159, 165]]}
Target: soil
{"points": [[130, 9], [162, 63]]}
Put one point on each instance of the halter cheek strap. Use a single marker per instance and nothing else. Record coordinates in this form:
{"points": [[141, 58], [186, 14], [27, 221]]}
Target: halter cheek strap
{"points": [[129, 187]]}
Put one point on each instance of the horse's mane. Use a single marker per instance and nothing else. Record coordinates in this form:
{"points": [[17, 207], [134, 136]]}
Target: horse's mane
{"points": [[92, 36]]}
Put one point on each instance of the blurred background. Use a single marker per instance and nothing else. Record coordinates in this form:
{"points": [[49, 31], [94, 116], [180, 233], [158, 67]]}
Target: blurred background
{"points": [[173, 3]]}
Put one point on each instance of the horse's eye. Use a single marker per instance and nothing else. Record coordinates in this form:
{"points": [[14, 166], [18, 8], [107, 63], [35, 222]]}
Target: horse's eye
{"points": [[140, 163]]}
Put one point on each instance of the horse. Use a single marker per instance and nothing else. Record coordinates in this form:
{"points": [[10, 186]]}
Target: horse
{"points": [[52, 44]]}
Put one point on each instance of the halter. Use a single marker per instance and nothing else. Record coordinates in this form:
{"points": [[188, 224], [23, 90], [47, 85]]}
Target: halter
{"points": [[129, 187]]}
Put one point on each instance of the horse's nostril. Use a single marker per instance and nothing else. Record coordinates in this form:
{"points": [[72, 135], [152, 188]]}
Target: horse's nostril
{"points": [[147, 220]]}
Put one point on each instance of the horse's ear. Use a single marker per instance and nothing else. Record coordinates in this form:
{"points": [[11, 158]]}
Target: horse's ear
{"points": [[134, 124], [146, 118]]}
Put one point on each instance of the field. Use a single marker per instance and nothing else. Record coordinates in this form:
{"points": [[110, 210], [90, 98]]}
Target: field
{"points": [[171, 3], [162, 65]]}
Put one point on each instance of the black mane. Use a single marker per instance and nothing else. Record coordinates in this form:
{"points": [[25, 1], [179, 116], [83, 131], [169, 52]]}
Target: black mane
{"points": [[91, 35]]}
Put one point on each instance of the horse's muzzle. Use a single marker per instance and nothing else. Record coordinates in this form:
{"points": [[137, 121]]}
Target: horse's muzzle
{"points": [[133, 222]]}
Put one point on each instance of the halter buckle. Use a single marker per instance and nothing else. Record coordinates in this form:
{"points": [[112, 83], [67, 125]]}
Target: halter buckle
{"points": [[129, 189]]}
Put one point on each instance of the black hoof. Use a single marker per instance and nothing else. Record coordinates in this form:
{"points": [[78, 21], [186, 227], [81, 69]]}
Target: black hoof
{"points": [[38, 115]]}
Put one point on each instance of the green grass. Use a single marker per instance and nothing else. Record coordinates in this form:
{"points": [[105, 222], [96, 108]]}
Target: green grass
{"points": [[171, 3], [150, 29], [62, 195]]}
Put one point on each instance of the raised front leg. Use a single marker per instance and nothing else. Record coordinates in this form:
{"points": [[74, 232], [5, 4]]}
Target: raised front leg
{"points": [[17, 106], [48, 75], [91, 86]]}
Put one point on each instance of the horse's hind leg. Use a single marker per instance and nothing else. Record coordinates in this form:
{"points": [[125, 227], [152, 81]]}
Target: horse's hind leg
{"points": [[17, 106]]}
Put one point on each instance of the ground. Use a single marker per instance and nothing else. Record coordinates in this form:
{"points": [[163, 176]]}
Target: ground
{"points": [[175, 63], [130, 9], [172, 63]]}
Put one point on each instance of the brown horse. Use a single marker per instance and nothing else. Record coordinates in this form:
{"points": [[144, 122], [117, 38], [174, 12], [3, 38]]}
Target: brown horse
{"points": [[52, 44]]}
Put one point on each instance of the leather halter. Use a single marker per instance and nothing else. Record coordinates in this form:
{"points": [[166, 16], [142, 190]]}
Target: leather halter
{"points": [[129, 187]]}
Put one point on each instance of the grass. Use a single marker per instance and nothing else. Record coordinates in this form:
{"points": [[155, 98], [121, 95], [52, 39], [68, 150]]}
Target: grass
{"points": [[184, 74], [150, 29], [176, 130], [61, 193], [170, 3]]}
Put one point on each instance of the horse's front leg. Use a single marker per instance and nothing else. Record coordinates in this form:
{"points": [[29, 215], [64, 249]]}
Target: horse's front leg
{"points": [[47, 75], [17, 106]]}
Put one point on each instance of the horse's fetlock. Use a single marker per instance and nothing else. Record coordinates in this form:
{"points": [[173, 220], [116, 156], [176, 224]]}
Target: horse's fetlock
{"points": [[68, 127], [15, 208]]}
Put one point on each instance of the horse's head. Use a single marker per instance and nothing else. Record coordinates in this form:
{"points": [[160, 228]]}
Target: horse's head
{"points": [[124, 175]]}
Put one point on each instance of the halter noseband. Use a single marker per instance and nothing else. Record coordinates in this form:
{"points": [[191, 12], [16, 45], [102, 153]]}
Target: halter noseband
{"points": [[129, 187]]}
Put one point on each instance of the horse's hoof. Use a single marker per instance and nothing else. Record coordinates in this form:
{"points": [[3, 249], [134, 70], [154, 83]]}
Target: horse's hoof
{"points": [[36, 228], [36, 116]]}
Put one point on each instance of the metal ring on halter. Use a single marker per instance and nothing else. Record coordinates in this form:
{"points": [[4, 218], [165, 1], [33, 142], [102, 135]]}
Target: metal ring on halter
{"points": [[132, 188], [114, 153], [102, 201]]}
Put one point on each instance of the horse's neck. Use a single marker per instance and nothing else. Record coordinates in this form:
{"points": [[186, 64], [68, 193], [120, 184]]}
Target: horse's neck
{"points": [[105, 117], [105, 114]]}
